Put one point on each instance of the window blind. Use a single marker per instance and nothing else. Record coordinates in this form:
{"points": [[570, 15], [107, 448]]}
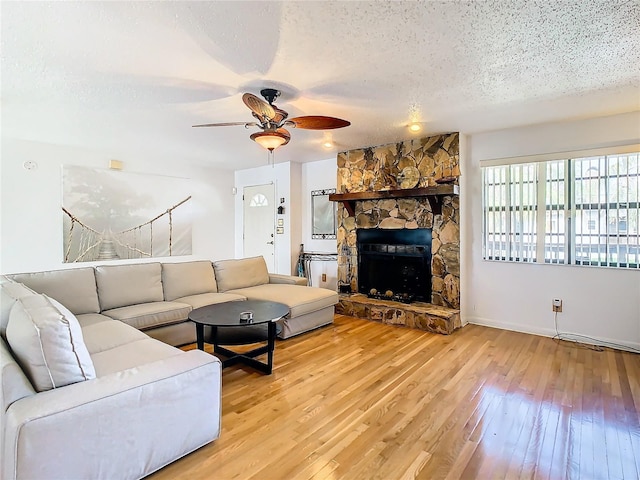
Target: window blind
{"points": [[580, 211]]}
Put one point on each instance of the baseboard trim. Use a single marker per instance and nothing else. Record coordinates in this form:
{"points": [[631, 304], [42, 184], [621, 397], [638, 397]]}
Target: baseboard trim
{"points": [[549, 332]]}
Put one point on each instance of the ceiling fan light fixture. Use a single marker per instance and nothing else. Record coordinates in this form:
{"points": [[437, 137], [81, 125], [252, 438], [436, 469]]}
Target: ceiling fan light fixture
{"points": [[327, 144], [415, 127], [272, 120], [270, 140]]}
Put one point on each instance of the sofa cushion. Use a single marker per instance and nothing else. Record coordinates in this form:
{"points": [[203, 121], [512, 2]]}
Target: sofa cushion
{"points": [[102, 336], [204, 299], [132, 355], [74, 288], [149, 315], [124, 285], [187, 278], [10, 292], [299, 299], [87, 319], [46, 339], [241, 273]]}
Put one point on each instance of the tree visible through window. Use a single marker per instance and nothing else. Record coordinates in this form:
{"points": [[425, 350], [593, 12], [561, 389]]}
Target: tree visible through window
{"points": [[582, 211]]}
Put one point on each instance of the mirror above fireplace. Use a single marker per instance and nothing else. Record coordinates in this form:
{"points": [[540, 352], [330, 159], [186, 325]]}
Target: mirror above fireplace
{"points": [[323, 214]]}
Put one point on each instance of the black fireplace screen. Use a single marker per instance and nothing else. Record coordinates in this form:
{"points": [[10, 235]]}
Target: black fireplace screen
{"points": [[395, 263]]}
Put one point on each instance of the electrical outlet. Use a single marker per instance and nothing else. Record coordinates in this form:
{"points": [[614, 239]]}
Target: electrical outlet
{"points": [[324, 277], [557, 305]]}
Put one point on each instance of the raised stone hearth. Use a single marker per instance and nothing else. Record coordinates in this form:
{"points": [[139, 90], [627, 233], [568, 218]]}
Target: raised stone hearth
{"points": [[394, 187], [419, 315]]}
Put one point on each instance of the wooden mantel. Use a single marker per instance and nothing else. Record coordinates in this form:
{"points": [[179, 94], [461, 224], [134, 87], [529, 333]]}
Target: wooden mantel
{"points": [[433, 194]]}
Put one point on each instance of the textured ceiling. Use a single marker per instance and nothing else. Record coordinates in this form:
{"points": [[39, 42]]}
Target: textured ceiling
{"points": [[130, 78]]}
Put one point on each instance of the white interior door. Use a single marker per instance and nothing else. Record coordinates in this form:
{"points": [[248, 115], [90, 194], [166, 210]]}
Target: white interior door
{"points": [[259, 223]]}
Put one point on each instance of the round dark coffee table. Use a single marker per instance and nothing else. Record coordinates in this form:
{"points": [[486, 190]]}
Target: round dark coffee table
{"points": [[226, 316]]}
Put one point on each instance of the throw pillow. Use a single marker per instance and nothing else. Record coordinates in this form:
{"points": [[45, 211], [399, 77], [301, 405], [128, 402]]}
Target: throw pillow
{"points": [[10, 292], [46, 339]]}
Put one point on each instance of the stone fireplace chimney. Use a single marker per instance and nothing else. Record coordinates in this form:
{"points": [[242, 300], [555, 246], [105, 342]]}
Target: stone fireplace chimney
{"points": [[406, 176]]}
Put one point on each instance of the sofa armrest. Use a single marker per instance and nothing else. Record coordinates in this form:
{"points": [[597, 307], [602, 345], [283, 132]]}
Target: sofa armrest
{"points": [[124, 425], [287, 279]]}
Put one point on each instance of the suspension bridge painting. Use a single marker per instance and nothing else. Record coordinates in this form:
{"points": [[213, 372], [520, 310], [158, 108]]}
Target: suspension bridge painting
{"points": [[111, 215]]}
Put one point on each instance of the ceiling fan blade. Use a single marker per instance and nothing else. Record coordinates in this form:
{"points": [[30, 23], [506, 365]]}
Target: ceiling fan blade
{"points": [[280, 116], [317, 122], [262, 109], [228, 124]]}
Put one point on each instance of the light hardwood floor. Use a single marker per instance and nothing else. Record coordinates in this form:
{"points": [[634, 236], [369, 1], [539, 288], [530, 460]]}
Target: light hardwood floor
{"points": [[363, 400]]}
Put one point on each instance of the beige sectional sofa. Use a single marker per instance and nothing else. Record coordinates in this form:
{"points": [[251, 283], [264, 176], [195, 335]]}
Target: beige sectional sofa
{"points": [[156, 298], [135, 405], [142, 403]]}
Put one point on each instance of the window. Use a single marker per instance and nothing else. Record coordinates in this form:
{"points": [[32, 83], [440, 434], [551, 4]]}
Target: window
{"points": [[259, 200], [579, 211], [510, 199]]}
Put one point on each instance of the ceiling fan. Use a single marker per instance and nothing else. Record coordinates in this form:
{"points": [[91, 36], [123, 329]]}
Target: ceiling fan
{"points": [[272, 120]]}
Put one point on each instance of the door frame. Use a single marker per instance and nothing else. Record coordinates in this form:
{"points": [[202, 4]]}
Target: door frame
{"points": [[271, 268]]}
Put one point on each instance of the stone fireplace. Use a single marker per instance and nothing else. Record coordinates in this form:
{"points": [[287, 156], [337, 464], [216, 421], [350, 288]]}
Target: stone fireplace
{"points": [[376, 193]]}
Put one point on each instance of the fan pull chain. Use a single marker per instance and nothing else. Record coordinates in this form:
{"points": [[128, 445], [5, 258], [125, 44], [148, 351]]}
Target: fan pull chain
{"points": [[271, 159]]}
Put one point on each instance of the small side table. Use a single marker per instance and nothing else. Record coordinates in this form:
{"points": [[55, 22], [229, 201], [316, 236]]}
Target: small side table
{"points": [[308, 257]]}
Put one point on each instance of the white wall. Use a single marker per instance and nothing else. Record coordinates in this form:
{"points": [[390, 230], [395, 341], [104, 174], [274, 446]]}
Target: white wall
{"points": [[603, 303], [286, 178], [467, 234], [296, 211], [318, 176], [30, 201]]}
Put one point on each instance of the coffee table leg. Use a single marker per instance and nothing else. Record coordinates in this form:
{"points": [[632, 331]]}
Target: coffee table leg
{"points": [[271, 345], [246, 357], [200, 336]]}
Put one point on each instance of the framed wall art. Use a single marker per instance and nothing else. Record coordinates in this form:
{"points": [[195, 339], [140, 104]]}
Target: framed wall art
{"points": [[112, 215]]}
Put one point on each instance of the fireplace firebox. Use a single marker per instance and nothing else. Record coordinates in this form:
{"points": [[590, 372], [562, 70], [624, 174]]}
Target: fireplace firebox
{"points": [[395, 264]]}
